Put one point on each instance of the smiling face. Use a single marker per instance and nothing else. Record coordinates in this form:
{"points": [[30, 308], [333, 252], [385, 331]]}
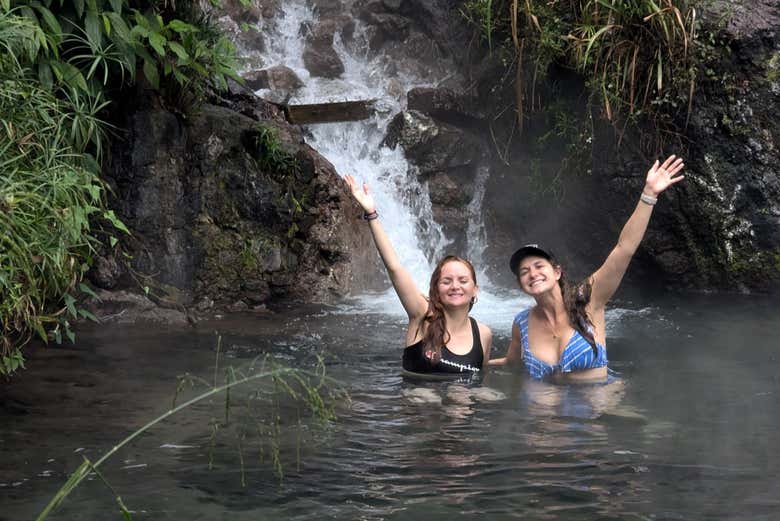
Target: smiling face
{"points": [[537, 275], [456, 285]]}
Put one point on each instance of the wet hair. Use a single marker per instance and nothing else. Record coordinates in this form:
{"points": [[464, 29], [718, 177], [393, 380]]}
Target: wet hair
{"points": [[436, 336], [576, 297]]}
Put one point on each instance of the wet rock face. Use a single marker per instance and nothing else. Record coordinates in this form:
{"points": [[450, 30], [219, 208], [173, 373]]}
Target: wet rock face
{"points": [[734, 179], [444, 155], [718, 229], [216, 223], [319, 55], [413, 37], [433, 146], [446, 105]]}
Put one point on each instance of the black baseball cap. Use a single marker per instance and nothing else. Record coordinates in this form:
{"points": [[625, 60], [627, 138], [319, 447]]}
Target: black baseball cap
{"points": [[525, 251]]}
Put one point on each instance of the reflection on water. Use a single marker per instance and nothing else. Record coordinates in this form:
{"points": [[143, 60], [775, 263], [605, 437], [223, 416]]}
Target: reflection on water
{"points": [[686, 429]]}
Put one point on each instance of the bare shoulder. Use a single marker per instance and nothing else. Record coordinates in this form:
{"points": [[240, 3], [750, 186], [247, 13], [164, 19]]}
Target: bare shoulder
{"points": [[485, 333]]}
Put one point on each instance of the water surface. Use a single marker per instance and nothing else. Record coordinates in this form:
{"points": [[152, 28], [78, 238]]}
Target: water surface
{"points": [[688, 429]]}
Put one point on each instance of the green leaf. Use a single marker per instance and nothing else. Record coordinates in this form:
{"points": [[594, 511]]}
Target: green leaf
{"points": [[38, 327], [92, 28], [86, 289], [70, 303], [592, 40], [69, 74], [71, 335], [120, 28], [28, 13], [79, 5], [106, 24], [157, 42], [182, 27], [45, 75], [113, 240], [88, 315], [180, 77], [150, 71], [180, 51], [51, 21], [139, 30], [116, 5], [114, 220]]}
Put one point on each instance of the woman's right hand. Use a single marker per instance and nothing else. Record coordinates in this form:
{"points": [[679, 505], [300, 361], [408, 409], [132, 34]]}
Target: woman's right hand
{"points": [[361, 194]]}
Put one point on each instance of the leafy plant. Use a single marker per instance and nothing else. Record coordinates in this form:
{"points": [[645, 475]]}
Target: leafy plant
{"points": [[60, 64], [49, 193], [195, 59], [271, 154]]}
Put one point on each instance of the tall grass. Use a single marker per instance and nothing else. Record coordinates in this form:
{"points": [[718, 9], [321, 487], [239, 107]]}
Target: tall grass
{"points": [[313, 389], [638, 53], [637, 56], [49, 192]]}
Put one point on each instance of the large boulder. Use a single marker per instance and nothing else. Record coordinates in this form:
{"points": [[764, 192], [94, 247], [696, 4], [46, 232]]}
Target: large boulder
{"points": [[322, 60], [434, 146], [319, 55], [229, 210]]}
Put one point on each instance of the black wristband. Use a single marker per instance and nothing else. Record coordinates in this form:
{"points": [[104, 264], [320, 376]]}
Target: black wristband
{"points": [[370, 216]]}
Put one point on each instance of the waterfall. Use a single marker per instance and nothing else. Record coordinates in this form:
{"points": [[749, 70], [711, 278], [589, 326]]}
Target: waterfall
{"points": [[356, 148]]}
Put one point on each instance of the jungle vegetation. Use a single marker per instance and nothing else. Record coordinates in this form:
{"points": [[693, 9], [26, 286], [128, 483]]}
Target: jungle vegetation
{"points": [[638, 57], [62, 62]]}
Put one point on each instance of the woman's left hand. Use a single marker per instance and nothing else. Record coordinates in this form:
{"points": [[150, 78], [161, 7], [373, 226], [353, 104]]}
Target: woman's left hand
{"points": [[662, 176]]}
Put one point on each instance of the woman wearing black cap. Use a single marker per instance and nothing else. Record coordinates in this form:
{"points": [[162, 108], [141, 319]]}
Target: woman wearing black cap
{"points": [[564, 334], [442, 340]]}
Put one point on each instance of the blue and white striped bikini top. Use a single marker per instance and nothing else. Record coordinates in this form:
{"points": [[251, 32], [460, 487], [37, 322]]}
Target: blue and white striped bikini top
{"points": [[577, 355]]}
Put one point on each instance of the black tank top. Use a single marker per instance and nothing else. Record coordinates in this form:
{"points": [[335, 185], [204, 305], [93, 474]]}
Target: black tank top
{"points": [[415, 360]]}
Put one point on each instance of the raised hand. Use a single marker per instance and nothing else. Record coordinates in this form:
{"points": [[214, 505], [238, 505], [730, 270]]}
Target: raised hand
{"points": [[662, 176], [361, 194]]}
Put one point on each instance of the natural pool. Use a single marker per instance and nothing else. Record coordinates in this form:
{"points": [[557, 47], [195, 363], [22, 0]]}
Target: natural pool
{"points": [[689, 429]]}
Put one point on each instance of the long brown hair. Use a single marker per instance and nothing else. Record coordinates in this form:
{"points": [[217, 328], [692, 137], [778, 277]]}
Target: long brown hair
{"points": [[436, 336], [575, 299]]}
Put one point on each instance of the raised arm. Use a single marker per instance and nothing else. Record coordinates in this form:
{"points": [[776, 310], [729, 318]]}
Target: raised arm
{"points": [[606, 279], [412, 300]]}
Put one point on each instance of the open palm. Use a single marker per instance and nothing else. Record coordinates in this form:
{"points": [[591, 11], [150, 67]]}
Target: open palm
{"points": [[662, 176], [361, 194]]}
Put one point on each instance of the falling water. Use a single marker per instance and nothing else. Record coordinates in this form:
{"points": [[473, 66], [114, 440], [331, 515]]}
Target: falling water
{"points": [[357, 148]]}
